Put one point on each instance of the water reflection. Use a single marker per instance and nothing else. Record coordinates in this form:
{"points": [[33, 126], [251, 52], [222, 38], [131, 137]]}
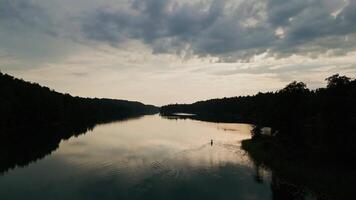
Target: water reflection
{"points": [[146, 158], [25, 145]]}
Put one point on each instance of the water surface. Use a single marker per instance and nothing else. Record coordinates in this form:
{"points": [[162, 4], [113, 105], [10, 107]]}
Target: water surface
{"points": [[146, 158]]}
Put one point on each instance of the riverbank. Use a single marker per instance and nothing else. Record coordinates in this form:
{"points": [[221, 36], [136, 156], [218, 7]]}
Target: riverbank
{"points": [[325, 179]]}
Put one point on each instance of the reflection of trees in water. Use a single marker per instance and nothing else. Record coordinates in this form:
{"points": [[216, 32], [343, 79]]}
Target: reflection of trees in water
{"points": [[281, 188], [25, 145], [258, 173]]}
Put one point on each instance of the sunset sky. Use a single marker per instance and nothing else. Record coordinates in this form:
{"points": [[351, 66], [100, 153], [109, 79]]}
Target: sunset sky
{"points": [[168, 51]]}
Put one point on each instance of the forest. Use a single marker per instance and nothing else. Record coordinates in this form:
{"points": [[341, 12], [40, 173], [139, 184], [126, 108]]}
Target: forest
{"points": [[303, 121], [29, 104], [35, 119]]}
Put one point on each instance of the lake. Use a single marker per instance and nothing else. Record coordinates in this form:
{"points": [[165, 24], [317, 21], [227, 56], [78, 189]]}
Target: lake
{"points": [[149, 157]]}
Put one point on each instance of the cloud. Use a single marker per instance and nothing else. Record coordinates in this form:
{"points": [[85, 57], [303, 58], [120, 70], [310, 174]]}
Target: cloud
{"points": [[202, 27], [34, 34], [156, 50], [23, 14], [228, 29], [313, 27]]}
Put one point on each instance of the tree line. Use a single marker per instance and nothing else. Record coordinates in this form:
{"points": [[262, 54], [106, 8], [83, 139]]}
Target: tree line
{"points": [[25, 103], [303, 120]]}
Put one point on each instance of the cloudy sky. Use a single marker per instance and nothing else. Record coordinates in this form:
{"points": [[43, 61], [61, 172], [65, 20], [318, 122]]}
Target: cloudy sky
{"points": [[167, 51]]}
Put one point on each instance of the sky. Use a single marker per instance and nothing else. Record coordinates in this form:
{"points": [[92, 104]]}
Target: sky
{"points": [[176, 51]]}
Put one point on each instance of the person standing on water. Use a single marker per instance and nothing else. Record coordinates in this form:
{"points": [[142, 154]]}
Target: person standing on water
{"points": [[211, 143]]}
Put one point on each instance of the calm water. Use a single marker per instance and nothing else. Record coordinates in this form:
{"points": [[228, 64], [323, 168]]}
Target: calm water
{"points": [[146, 158]]}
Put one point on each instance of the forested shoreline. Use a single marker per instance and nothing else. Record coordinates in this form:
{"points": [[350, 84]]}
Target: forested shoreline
{"points": [[23, 103], [303, 121], [35, 119]]}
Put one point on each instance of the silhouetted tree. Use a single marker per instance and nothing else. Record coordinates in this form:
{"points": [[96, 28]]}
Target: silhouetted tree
{"points": [[24, 103], [337, 81]]}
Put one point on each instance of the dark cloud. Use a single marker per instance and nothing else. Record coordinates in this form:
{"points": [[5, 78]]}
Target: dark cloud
{"points": [[280, 11], [227, 29], [25, 14], [29, 31], [315, 19], [150, 21]]}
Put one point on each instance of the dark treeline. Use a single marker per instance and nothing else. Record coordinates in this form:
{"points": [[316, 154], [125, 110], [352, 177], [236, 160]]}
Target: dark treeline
{"points": [[304, 121], [25, 103]]}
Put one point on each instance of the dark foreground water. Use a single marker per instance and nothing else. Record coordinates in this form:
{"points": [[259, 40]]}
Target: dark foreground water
{"points": [[146, 158]]}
